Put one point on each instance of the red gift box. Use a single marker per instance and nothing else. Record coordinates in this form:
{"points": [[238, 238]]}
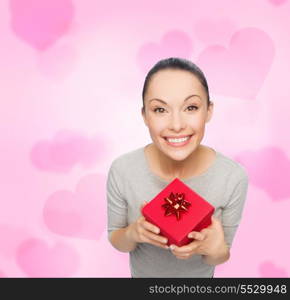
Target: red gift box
{"points": [[178, 210]]}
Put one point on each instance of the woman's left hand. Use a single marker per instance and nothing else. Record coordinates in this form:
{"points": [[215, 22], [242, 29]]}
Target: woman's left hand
{"points": [[209, 242]]}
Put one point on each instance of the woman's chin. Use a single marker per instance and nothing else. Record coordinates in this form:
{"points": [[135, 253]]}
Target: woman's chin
{"points": [[177, 154], [180, 157]]}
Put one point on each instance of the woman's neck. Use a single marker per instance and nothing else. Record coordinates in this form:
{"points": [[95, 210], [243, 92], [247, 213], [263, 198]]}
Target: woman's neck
{"points": [[181, 169]]}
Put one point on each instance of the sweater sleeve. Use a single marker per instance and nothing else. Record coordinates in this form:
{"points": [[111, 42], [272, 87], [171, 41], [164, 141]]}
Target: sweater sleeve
{"points": [[232, 212], [116, 204]]}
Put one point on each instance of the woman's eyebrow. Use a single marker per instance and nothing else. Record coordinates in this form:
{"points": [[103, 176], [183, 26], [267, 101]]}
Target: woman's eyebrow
{"points": [[194, 95]]}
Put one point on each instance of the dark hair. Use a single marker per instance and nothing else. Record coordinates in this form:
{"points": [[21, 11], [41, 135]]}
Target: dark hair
{"points": [[176, 63]]}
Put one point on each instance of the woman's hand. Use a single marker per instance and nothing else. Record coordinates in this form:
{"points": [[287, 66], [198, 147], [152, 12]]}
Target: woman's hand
{"points": [[208, 242], [142, 231]]}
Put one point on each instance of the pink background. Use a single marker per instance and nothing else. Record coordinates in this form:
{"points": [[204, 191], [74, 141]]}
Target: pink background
{"points": [[71, 74]]}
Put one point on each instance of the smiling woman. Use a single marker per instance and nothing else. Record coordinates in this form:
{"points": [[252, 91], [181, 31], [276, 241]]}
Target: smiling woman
{"points": [[176, 108]]}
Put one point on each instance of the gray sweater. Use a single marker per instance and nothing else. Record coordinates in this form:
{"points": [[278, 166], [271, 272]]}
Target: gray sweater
{"points": [[130, 181]]}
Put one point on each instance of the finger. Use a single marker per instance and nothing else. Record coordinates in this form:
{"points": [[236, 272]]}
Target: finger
{"points": [[205, 232], [215, 222], [182, 256], [141, 218], [196, 235], [155, 237], [184, 249], [149, 226], [152, 242], [142, 205]]}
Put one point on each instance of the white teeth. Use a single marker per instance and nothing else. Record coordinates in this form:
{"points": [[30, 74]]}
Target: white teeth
{"points": [[178, 140]]}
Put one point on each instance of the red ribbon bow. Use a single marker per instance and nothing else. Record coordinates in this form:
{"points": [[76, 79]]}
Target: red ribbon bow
{"points": [[175, 204]]}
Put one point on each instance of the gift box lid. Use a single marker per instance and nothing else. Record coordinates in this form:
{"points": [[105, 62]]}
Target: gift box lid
{"points": [[198, 210]]}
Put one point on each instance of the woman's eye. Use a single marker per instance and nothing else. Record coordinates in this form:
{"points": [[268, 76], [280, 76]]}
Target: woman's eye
{"points": [[162, 110], [192, 107], [158, 109]]}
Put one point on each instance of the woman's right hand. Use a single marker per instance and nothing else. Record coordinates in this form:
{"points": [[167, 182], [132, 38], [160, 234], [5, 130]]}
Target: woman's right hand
{"points": [[142, 231]]}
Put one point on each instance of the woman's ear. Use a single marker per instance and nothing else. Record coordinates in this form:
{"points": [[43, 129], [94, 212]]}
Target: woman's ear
{"points": [[209, 112], [144, 115]]}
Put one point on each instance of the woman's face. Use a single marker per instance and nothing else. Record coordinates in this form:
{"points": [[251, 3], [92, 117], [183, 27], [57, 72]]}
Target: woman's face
{"points": [[176, 112]]}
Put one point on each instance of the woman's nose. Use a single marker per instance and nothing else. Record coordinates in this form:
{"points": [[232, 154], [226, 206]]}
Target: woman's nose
{"points": [[176, 122]]}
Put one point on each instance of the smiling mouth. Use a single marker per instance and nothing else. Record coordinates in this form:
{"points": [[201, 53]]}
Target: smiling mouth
{"points": [[178, 141]]}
